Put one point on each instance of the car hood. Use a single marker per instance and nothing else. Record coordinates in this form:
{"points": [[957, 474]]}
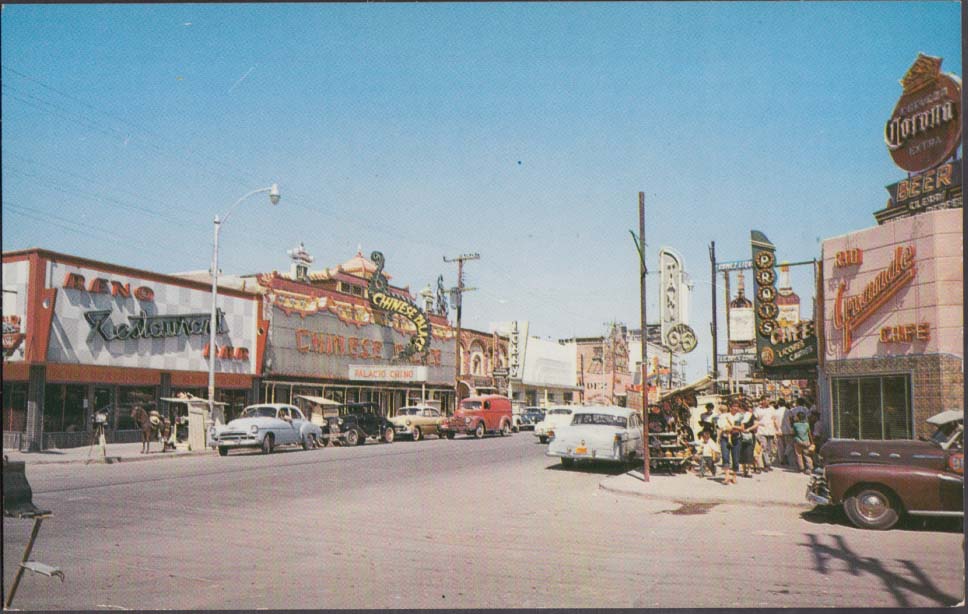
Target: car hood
{"points": [[890, 452], [243, 424]]}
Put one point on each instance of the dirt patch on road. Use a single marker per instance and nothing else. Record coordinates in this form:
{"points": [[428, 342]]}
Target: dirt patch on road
{"points": [[687, 508]]}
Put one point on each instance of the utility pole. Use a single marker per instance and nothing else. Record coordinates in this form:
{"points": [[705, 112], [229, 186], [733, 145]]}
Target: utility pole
{"points": [[458, 291], [712, 326], [643, 366]]}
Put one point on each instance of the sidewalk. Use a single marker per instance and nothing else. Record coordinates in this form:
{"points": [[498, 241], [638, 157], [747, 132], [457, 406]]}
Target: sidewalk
{"points": [[778, 487], [116, 453]]}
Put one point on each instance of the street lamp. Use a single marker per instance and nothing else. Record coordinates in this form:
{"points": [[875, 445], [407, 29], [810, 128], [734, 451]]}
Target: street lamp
{"points": [[273, 191]]}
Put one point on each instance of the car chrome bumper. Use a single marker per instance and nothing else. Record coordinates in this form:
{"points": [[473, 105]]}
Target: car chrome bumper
{"points": [[817, 491], [247, 442]]}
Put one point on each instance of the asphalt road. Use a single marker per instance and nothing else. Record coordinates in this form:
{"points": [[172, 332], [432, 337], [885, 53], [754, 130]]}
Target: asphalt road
{"points": [[443, 524]]}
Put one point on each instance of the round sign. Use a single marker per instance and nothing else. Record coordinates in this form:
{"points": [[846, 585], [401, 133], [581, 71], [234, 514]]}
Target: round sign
{"points": [[766, 294], [681, 338], [767, 327], [763, 259], [765, 277], [767, 357], [768, 311], [925, 128]]}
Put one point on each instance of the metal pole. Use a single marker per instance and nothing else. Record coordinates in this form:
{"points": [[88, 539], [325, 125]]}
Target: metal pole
{"points": [[729, 345], [712, 276], [211, 325], [460, 287], [645, 342]]}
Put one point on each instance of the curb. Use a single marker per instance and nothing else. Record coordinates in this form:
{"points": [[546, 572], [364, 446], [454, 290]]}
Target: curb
{"points": [[695, 499], [111, 460]]}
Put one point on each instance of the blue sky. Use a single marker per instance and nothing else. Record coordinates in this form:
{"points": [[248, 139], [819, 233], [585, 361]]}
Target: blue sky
{"points": [[523, 132]]}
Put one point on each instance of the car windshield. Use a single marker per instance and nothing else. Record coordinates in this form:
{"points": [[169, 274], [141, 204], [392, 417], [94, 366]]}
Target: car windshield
{"points": [[470, 404], [259, 412], [600, 419], [944, 432]]}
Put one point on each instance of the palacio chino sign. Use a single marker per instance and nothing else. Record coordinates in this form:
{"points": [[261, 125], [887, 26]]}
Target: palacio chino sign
{"points": [[851, 310]]}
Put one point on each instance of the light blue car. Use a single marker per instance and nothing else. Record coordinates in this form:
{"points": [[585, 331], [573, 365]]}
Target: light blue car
{"points": [[599, 432], [266, 426]]}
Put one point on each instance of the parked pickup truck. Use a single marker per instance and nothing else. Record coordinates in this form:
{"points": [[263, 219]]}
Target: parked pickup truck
{"points": [[478, 416]]}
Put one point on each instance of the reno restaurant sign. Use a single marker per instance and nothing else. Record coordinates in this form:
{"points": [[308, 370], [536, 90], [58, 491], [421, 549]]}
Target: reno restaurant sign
{"points": [[925, 128]]}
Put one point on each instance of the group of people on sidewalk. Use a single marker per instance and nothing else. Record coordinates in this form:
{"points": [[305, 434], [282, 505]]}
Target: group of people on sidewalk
{"points": [[747, 439]]}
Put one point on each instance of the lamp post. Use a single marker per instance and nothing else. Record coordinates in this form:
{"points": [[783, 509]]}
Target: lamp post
{"points": [[273, 191]]}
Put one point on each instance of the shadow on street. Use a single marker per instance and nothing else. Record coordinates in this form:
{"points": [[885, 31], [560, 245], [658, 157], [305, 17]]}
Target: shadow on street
{"points": [[834, 515], [899, 585], [598, 467]]}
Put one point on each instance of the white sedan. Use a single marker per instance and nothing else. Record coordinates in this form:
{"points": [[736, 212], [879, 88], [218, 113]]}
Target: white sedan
{"points": [[265, 426], [599, 433], [554, 417]]}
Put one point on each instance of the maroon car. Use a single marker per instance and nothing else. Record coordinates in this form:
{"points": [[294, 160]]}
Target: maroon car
{"points": [[879, 481]]}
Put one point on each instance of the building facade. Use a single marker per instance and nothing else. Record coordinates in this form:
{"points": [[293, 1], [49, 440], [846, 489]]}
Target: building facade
{"points": [[82, 336], [893, 325], [326, 339]]}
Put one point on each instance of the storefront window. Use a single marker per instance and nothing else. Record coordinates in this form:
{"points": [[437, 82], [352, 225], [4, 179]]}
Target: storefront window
{"points": [[872, 407], [130, 397], [64, 408], [14, 406], [235, 400]]}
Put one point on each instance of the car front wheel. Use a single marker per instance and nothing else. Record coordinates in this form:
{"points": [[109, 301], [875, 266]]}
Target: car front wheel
{"points": [[388, 435], [479, 431], [872, 508], [267, 444], [309, 441], [450, 434], [223, 451], [417, 434], [352, 438]]}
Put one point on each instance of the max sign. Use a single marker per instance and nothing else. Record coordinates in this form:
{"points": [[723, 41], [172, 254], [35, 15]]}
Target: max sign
{"points": [[381, 298]]}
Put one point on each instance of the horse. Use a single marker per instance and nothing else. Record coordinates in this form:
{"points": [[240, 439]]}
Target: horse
{"points": [[151, 423]]}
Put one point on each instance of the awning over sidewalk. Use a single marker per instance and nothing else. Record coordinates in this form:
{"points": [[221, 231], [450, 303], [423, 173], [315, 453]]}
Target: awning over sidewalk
{"points": [[694, 387], [323, 401]]}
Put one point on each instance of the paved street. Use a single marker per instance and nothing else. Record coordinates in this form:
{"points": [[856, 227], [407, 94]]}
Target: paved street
{"points": [[444, 524]]}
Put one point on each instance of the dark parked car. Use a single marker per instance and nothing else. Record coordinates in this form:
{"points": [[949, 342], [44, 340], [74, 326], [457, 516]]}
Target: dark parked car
{"points": [[530, 417], [877, 482], [356, 422]]}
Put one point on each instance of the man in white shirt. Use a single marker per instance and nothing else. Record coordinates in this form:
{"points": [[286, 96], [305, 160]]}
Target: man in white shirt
{"points": [[766, 433]]}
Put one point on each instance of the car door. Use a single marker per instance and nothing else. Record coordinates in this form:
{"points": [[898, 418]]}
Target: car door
{"points": [[283, 430], [635, 434], [297, 423]]}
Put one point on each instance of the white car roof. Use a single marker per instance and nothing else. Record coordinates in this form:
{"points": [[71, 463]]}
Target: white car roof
{"points": [[275, 405], [611, 410]]}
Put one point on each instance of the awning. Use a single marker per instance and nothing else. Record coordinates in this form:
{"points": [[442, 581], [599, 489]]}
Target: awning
{"points": [[191, 400], [696, 385], [950, 415], [318, 400]]}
